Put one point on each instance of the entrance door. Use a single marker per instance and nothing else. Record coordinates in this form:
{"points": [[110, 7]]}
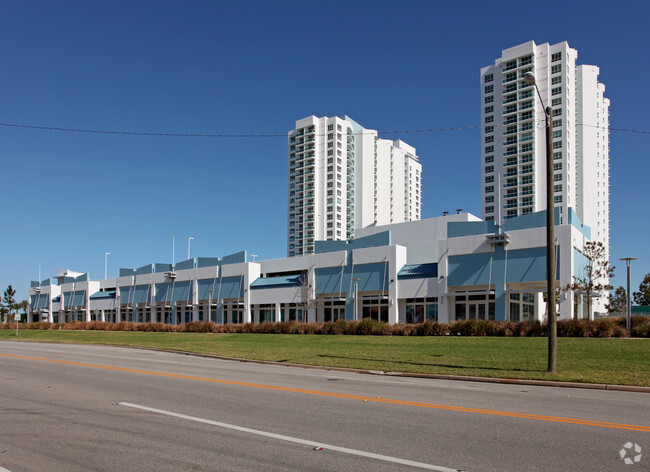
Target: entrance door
{"points": [[471, 311]]}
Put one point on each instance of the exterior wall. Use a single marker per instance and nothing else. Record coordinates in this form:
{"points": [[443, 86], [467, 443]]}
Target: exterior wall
{"points": [[592, 158]]}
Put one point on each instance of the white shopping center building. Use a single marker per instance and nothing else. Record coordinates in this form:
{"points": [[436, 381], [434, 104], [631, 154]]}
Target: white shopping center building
{"points": [[446, 268]]}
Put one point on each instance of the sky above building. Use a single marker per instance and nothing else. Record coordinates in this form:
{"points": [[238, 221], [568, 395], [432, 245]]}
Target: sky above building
{"points": [[254, 68]]}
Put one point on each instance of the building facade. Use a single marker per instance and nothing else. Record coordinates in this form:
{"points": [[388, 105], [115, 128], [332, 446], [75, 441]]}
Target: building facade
{"points": [[342, 177], [513, 165], [453, 267]]}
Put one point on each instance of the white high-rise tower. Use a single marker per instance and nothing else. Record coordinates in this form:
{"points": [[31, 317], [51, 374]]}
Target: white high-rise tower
{"points": [[343, 177], [513, 153]]}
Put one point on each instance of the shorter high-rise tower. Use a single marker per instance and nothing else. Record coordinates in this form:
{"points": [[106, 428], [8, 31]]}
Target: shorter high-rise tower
{"points": [[343, 177]]}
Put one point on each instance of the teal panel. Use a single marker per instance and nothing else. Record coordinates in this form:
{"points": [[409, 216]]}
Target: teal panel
{"points": [[574, 220], [163, 292], [81, 278], [373, 276], [526, 265], [125, 272], [373, 240], [127, 293], [531, 220], [236, 258], [67, 299], [230, 287], [39, 301], [142, 294], [207, 284], [207, 261], [79, 298], [321, 247], [46, 282], [469, 269], [523, 265], [147, 269], [34, 284], [188, 264], [456, 229], [181, 291], [158, 268], [328, 280]]}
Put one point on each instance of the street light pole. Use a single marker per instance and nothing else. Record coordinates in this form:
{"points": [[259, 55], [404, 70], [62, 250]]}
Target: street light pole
{"points": [[209, 317], [106, 265], [550, 232], [188, 246], [355, 307], [628, 305]]}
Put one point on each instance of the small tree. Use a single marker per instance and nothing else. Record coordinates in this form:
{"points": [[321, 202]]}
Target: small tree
{"points": [[8, 301], [617, 301], [595, 273], [642, 297]]}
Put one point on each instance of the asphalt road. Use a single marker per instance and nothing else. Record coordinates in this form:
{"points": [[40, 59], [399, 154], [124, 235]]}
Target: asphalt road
{"points": [[72, 408]]}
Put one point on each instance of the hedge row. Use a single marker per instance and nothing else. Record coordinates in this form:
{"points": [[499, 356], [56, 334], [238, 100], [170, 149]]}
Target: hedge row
{"points": [[603, 328]]}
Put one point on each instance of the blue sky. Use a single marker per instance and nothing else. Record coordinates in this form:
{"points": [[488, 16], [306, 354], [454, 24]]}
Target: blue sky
{"points": [[206, 67]]}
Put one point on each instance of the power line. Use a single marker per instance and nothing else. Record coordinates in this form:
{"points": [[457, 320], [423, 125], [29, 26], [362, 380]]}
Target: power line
{"points": [[269, 135]]}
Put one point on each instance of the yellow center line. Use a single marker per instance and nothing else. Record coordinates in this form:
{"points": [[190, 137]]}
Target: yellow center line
{"points": [[600, 424]]}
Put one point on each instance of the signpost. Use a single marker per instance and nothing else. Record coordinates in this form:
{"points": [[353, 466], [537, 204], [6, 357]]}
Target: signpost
{"points": [[17, 320]]}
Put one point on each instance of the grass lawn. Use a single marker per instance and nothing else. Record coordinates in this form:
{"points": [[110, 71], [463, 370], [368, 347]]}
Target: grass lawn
{"points": [[610, 360]]}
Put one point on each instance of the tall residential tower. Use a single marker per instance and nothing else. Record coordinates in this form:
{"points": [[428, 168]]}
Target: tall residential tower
{"points": [[514, 137], [343, 177]]}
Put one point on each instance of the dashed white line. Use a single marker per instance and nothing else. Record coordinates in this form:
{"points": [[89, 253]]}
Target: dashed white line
{"points": [[395, 460]]}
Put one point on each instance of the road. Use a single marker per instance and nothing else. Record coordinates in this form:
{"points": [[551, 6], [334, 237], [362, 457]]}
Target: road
{"points": [[77, 408]]}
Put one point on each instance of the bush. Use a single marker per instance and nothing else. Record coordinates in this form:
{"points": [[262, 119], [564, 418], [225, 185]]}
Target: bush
{"points": [[602, 328]]}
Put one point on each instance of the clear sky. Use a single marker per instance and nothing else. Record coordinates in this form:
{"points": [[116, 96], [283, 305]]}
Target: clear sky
{"points": [[206, 67]]}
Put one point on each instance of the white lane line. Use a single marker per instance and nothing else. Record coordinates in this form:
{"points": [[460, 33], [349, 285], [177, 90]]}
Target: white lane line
{"points": [[2, 469], [346, 450]]}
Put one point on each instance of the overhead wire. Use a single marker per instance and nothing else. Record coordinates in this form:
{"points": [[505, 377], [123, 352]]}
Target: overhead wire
{"points": [[273, 135]]}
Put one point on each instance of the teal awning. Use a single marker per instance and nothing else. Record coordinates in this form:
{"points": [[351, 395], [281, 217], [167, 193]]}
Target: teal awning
{"points": [[418, 271]]}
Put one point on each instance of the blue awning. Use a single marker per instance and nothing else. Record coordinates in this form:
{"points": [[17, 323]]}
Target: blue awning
{"points": [[418, 271], [110, 294], [277, 282]]}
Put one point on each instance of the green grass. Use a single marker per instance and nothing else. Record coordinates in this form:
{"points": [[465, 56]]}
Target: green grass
{"points": [[608, 361]]}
